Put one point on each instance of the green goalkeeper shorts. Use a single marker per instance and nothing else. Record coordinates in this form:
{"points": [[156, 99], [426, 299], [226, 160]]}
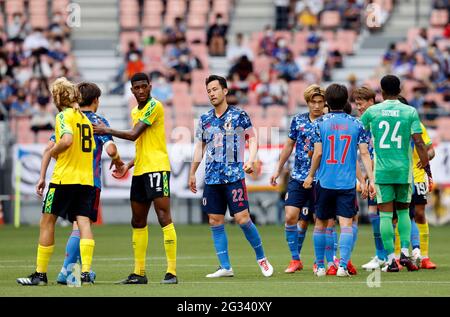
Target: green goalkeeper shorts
{"points": [[393, 192]]}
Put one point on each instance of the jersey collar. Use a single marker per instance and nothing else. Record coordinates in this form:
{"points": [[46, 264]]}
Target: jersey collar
{"points": [[223, 114]]}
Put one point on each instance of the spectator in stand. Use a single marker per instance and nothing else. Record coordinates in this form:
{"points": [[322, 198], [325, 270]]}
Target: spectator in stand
{"points": [[313, 43], [176, 51], [56, 50], [172, 34], [352, 86], [42, 119], [162, 90], [288, 69], [23, 72], [306, 19], [182, 71], [239, 49], [6, 92], [58, 28], [273, 90], [444, 88], [417, 99], [315, 6], [135, 65], [253, 82], [281, 50], [429, 113], [21, 107], [238, 88], [420, 41], [447, 31], [243, 68], [403, 66], [3, 65], [18, 28], [352, 15], [268, 42], [281, 14], [216, 37]]}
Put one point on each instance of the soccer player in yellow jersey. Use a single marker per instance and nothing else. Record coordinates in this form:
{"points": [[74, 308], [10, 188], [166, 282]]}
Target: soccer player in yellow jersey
{"points": [[422, 185], [71, 192], [151, 177]]}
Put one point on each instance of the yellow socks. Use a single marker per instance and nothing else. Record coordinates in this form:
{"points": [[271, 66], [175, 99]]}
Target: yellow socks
{"points": [[397, 242], [140, 242], [170, 245], [43, 257], [424, 235], [86, 253]]}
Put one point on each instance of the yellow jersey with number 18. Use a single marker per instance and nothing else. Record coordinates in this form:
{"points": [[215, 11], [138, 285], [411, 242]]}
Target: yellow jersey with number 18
{"points": [[151, 150], [74, 166]]}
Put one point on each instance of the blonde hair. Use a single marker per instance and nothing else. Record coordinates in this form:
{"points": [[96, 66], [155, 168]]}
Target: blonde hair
{"points": [[312, 91], [364, 93], [65, 93]]}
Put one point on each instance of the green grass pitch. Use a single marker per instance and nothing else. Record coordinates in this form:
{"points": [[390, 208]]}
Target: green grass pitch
{"points": [[113, 260]]}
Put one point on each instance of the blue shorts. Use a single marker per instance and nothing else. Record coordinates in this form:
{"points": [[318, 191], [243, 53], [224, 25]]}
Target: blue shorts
{"points": [[301, 198], [335, 202], [216, 198]]}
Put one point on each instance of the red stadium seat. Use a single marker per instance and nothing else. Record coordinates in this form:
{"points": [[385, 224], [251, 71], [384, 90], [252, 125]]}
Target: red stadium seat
{"points": [[152, 21], [152, 7], [434, 33], [330, 19], [195, 35], [422, 72], [439, 17], [262, 64], [403, 47], [129, 21], [126, 37], [176, 7], [12, 6], [442, 128], [296, 89], [39, 21], [199, 7], [37, 7], [221, 6], [180, 88], [199, 93], [197, 21]]}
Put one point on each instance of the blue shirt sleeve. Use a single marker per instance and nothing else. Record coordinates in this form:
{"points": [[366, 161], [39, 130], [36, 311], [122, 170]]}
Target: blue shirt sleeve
{"points": [[293, 131], [364, 135], [199, 132], [315, 135], [106, 137], [52, 138], [244, 120]]}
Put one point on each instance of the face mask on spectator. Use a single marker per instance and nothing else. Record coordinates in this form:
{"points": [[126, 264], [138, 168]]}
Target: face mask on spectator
{"points": [[282, 43], [17, 19], [134, 57]]}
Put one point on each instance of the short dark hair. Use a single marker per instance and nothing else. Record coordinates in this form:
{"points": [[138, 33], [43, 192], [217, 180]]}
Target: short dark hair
{"points": [[138, 77], [390, 85], [348, 108], [336, 96], [89, 92], [403, 100], [222, 80]]}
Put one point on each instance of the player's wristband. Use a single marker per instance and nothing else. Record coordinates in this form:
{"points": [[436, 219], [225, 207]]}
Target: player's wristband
{"points": [[116, 157]]}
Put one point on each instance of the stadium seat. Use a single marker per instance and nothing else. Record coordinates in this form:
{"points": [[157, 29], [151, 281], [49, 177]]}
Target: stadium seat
{"points": [[152, 21], [330, 19], [443, 44], [129, 36], [435, 33], [176, 7], [180, 88], [152, 7], [44, 136], [275, 115], [154, 52], [422, 72], [296, 89], [403, 47], [196, 35], [129, 21], [300, 42], [199, 7], [221, 6], [12, 6], [38, 20], [385, 4], [196, 21], [439, 17], [262, 64], [37, 7], [442, 124], [408, 86], [199, 94]]}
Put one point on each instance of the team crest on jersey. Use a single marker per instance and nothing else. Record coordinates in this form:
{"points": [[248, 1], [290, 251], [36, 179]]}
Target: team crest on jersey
{"points": [[228, 126]]}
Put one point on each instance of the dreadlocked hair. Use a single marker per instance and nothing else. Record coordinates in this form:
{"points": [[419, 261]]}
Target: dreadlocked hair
{"points": [[65, 93]]}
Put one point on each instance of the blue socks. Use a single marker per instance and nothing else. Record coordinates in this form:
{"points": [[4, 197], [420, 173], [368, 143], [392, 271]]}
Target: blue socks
{"points": [[221, 244], [415, 237], [355, 234], [72, 250], [329, 244], [336, 243], [319, 238], [345, 243], [252, 235], [375, 221], [301, 238], [292, 240]]}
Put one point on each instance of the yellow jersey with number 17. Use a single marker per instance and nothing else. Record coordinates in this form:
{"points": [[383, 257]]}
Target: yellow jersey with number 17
{"points": [[74, 166], [151, 150]]}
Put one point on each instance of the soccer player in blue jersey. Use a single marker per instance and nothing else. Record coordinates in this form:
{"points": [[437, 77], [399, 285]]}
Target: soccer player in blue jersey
{"points": [[90, 94], [222, 133], [337, 138], [365, 98], [299, 202]]}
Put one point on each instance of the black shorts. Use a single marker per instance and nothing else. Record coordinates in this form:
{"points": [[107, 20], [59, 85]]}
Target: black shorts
{"points": [[335, 202], [301, 198], [148, 186], [419, 197], [70, 201]]}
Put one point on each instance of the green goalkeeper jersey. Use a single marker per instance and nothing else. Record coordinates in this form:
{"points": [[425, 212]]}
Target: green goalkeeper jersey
{"points": [[392, 123]]}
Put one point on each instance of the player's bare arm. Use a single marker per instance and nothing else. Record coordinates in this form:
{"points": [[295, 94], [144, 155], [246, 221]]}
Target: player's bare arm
{"points": [[365, 157], [317, 157], [362, 182], [130, 135], [46, 157], [253, 149], [284, 156], [113, 153], [431, 154], [64, 143], [198, 156]]}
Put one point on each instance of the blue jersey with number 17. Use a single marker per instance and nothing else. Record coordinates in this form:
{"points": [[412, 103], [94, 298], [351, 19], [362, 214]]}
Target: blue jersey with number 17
{"points": [[340, 135]]}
